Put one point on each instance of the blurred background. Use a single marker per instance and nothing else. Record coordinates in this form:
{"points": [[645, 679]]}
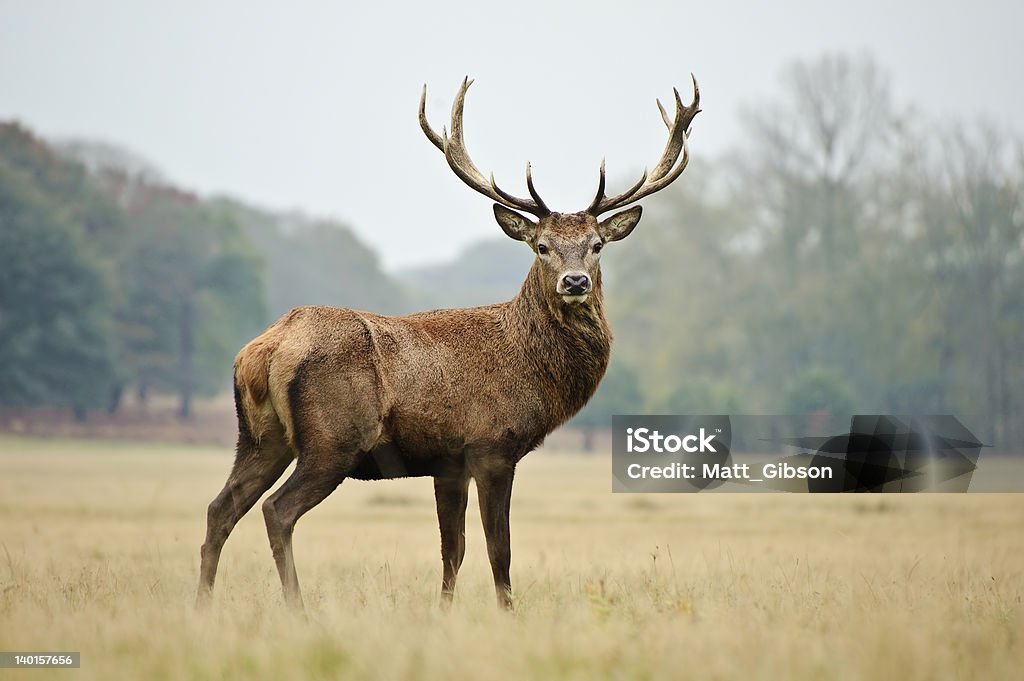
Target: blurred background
{"points": [[849, 236]]}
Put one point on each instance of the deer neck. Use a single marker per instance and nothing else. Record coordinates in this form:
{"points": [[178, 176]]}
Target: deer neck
{"points": [[567, 346]]}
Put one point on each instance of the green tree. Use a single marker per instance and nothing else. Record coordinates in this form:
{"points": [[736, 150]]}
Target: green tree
{"points": [[193, 290], [55, 303]]}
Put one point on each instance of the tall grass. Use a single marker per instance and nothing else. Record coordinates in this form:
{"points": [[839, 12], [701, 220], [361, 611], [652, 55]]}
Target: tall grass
{"points": [[100, 554]]}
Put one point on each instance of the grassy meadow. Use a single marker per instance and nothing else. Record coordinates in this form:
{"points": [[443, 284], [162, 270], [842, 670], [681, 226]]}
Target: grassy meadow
{"points": [[100, 554]]}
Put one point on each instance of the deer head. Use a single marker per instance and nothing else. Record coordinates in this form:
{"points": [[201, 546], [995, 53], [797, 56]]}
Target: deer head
{"points": [[567, 245]]}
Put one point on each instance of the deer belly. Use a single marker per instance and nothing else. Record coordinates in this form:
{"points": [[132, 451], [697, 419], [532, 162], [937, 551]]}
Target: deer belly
{"points": [[389, 461]]}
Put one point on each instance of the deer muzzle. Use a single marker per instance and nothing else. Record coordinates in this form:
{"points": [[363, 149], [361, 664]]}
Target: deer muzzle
{"points": [[574, 285]]}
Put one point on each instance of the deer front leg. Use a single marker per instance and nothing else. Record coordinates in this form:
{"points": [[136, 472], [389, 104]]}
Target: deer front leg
{"points": [[494, 489], [451, 495]]}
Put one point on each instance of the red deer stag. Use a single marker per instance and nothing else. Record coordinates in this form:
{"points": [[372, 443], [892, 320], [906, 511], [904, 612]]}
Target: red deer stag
{"points": [[452, 394]]}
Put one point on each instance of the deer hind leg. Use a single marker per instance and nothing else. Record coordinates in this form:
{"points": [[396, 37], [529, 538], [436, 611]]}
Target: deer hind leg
{"points": [[494, 489], [451, 495], [256, 468], [334, 419], [308, 485]]}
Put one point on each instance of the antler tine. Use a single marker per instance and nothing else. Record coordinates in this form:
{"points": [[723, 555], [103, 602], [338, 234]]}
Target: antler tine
{"points": [[434, 138], [502, 196], [454, 148], [666, 170], [664, 114], [531, 189], [601, 203], [600, 192]]}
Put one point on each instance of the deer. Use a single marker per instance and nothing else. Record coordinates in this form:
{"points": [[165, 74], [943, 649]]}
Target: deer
{"points": [[456, 395]]}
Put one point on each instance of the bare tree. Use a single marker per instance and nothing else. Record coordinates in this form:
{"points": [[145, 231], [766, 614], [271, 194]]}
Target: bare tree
{"points": [[805, 153], [972, 240]]}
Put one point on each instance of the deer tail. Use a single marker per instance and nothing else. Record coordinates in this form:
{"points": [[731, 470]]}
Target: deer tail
{"points": [[252, 388]]}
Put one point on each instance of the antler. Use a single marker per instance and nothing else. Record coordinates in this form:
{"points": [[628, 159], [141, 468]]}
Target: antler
{"points": [[454, 150], [666, 170]]}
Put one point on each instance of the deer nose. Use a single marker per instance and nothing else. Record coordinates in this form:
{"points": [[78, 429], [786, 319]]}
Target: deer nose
{"points": [[576, 283]]}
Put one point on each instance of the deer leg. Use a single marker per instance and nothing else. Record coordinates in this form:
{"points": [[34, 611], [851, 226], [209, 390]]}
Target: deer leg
{"points": [[451, 495], [254, 471], [494, 490], [307, 486]]}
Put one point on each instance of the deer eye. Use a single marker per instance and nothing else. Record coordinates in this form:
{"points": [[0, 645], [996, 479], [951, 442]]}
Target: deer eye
{"points": [[542, 249], [598, 246]]}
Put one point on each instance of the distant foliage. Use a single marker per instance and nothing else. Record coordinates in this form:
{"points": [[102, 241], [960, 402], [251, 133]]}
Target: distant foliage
{"points": [[486, 272], [113, 280], [191, 290], [840, 259], [315, 262], [56, 279], [817, 390]]}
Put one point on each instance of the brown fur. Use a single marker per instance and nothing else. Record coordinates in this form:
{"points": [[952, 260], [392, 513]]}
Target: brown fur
{"points": [[453, 394]]}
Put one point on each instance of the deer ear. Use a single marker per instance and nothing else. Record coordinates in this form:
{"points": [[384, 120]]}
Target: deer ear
{"points": [[515, 225], [619, 225]]}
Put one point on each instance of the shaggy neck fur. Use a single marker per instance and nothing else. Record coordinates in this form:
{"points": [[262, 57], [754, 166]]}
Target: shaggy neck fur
{"points": [[566, 345]]}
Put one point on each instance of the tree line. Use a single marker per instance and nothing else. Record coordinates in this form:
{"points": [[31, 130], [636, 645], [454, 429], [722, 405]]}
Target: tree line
{"points": [[114, 280]]}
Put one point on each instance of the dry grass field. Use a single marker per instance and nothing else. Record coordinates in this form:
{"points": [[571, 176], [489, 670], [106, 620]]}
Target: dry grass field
{"points": [[100, 546]]}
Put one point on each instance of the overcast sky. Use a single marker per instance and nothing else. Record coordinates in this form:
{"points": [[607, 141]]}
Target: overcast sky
{"points": [[312, 105]]}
